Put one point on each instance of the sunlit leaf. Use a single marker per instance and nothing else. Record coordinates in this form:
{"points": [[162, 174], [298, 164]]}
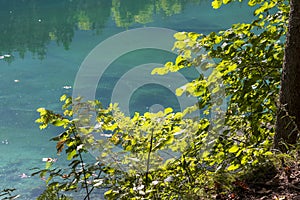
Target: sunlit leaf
{"points": [[233, 167], [233, 149], [71, 154]]}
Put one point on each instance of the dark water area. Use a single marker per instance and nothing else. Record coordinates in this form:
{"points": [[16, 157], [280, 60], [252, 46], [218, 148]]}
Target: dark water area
{"points": [[42, 46]]}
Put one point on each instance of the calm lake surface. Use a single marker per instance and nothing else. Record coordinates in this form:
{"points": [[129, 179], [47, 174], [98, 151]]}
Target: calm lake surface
{"points": [[42, 46]]}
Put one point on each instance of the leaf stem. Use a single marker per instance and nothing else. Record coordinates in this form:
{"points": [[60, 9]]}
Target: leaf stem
{"points": [[148, 159]]}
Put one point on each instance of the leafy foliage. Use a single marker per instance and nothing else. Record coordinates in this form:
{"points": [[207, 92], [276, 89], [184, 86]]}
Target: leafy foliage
{"points": [[214, 151], [250, 58]]}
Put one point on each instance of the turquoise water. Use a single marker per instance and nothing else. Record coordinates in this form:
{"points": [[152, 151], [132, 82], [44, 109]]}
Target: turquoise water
{"points": [[48, 40]]}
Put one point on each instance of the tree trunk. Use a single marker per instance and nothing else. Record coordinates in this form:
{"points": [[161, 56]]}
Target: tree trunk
{"points": [[288, 116]]}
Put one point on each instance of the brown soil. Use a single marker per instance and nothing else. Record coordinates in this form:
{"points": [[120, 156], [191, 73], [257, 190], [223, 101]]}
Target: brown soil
{"points": [[268, 183]]}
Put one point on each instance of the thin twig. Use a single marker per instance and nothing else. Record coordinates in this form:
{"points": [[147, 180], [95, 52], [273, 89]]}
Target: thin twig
{"points": [[84, 172], [148, 159], [87, 196]]}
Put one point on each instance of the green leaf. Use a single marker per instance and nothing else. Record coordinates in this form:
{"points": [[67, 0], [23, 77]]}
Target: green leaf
{"points": [[108, 192], [42, 111], [63, 97], [179, 45], [60, 122], [216, 4], [160, 71], [180, 36], [48, 165], [43, 126], [244, 160], [268, 153], [233, 149], [233, 167], [168, 110], [71, 154], [215, 90], [179, 91]]}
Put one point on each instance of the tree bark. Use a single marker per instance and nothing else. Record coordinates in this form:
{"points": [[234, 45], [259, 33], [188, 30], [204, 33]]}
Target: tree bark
{"points": [[288, 116]]}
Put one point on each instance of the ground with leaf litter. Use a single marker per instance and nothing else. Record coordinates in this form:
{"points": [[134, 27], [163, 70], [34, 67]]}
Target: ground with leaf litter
{"points": [[268, 183]]}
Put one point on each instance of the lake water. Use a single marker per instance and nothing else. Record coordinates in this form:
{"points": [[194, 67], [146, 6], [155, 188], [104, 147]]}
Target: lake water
{"points": [[44, 44]]}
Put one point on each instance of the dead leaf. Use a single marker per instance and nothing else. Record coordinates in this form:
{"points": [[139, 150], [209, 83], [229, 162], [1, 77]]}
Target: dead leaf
{"points": [[60, 146]]}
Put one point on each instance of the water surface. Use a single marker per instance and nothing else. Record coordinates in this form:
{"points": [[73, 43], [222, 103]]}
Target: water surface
{"points": [[48, 40]]}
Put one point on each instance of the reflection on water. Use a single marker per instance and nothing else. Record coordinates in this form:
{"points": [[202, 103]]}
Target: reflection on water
{"points": [[30, 25], [43, 43], [125, 13]]}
